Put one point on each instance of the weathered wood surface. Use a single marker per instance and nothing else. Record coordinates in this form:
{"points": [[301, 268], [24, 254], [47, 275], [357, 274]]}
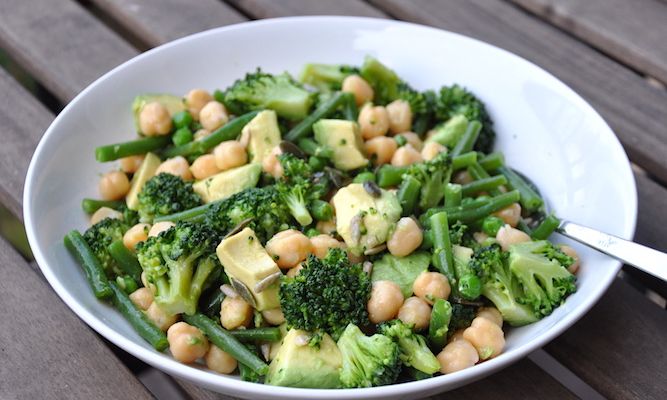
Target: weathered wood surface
{"points": [[284, 8], [47, 352], [633, 32]]}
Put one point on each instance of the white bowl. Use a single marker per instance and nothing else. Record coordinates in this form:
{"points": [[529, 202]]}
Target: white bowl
{"points": [[545, 129]]}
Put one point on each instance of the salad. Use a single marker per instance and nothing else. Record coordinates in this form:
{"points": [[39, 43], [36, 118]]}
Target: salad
{"points": [[338, 230]]}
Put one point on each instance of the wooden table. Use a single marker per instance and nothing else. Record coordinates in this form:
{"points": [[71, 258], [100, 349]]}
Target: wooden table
{"points": [[613, 52]]}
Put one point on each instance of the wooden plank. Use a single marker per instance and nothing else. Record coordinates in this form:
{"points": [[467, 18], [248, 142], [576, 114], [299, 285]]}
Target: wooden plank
{"points": [[618, 346], [633, 108], [633, 32], [59, 43], [158, 21], [652, 218], [284, 8], [47, 352]]}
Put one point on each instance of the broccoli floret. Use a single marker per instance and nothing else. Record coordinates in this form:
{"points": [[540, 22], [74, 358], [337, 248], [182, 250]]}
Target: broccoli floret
{"points": [[500, 286], [456, 100], [262, 206], [326, 77], [100, 236], [179, 262], [165, 194], [462, 316], [368, 361], [413, 349], [433, 175], [259, 90], [299, 186], [542, 271], [326, 295]]}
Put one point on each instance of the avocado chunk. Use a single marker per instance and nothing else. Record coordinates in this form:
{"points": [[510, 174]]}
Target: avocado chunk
{"points": [[345, 139], [245, 260], [174, 104], [264, 135], [299, 365], [401, 270], [450, 132], [145, 172], [362, 220], [226, 183]]}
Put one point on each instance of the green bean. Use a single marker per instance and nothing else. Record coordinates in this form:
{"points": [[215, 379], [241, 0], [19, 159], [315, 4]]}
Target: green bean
{"points": [[94, 271], [126, 260], [441, 314], [321, 210], [257, 334], [350, 110], [467, 141], [89, 206], [493, 161], [427, 241], [113, 152], [443, 258], [312, 148], [478, 172], [530, 199], [546, 227], [228, 131], [363, 177], [388, 175], [408, 194], [303, 128], [196, 214], [463, 160], [227, 342], [491, 225], [126, 283], [484, 184], [246, 373], [523, 226], [453, 194], [497, 203], [317, 163], [139, 321]]}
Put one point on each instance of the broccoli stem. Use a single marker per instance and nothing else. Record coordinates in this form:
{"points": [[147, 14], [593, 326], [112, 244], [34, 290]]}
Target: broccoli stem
{"points": [[530, 200], [438, 327], [303, 128], [91, 266], [89, 206], [312, 148], [227, 342], [493, 161], [139, 321], [126, 260], [229, 131], [321, 210], [545, 228], [195, 214], [443, 258], [464, 160], [483, 185], [453, 194], [408, 193], [113, 152], [388, 175], [257, 334], [467, 141], [350, 110]]}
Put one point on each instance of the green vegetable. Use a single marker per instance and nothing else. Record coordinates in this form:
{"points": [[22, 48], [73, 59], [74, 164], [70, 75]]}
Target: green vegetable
{"points": [[400, 140], [462, 316], [321, 210], [443, 258], [450, 132], [166, 194], [113, 152], [401, 270], [492, 161], [182, 119], [182, 136], [453, 194], [298, 186], [89, 206], [257, 334], [368, 361], [438, 327], [139, 321], [530, 200], [210, 302], [467, 141], [491, 225], [325, 77], [408, 194], [413, 349], [94, 271], [432, 176], [125, 259], [126, 283], [326, 109], [464, 160], [389, 175], [363, 177], [545, 228], [475, 210], [484, 185], [100, 236], [469, 285], [317, 163], [312, 148]]}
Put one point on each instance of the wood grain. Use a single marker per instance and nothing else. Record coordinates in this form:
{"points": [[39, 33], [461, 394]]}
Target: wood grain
{"points": [[633, 32], [283, 8], [47, 352], [633, 108], [158, 21], [59, 43]]}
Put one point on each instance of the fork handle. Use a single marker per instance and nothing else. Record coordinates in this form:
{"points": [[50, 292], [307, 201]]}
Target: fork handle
{"points": [[644, 258]]}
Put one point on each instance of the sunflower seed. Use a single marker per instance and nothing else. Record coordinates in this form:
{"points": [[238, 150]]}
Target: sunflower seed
{"points": [[355, 228], [238, 228], [372, 188], [243, 291], [302, 339], [266, 350], [291, 148], [368, 267], [268, 281], [229, 291], [375, 250]]}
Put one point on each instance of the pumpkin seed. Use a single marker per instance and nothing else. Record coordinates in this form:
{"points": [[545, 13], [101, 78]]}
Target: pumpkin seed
{"points": [[268, 281], [243, 291]]}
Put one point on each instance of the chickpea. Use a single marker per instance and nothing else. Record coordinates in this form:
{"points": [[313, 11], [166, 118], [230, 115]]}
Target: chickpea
{"points": [[138, 233], [292, 272], [161, 319], [131, 164], [204, 166], [235, 312], [154, 119], [572, 253], [160, 227], [413, 139], [510, 214], [406, 155], [186, 342], [271, 164], [406, 238], [457, 355], [230, 154], [195, 100], [373, 121], [487, 337], [431, 150], [415, 312], [219, 361], [114, 185], [213, 115], [326, 227], [322, 243], [178, 166], [385, 301], [274, 316], [104, 212], [288, 248], [362, 91], [400, 116], [492, 314], [480, 237], [244, 139], [142, 298], [457, 335], [380, 149], [430, 286], [201, 133], [508, 236]]}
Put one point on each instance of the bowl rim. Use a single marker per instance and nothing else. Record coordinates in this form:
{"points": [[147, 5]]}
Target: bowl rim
{"points": [[235, 386]]}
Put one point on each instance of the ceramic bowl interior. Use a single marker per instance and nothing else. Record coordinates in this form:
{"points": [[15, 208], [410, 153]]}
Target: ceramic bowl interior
{"points": [[545, 130]]}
